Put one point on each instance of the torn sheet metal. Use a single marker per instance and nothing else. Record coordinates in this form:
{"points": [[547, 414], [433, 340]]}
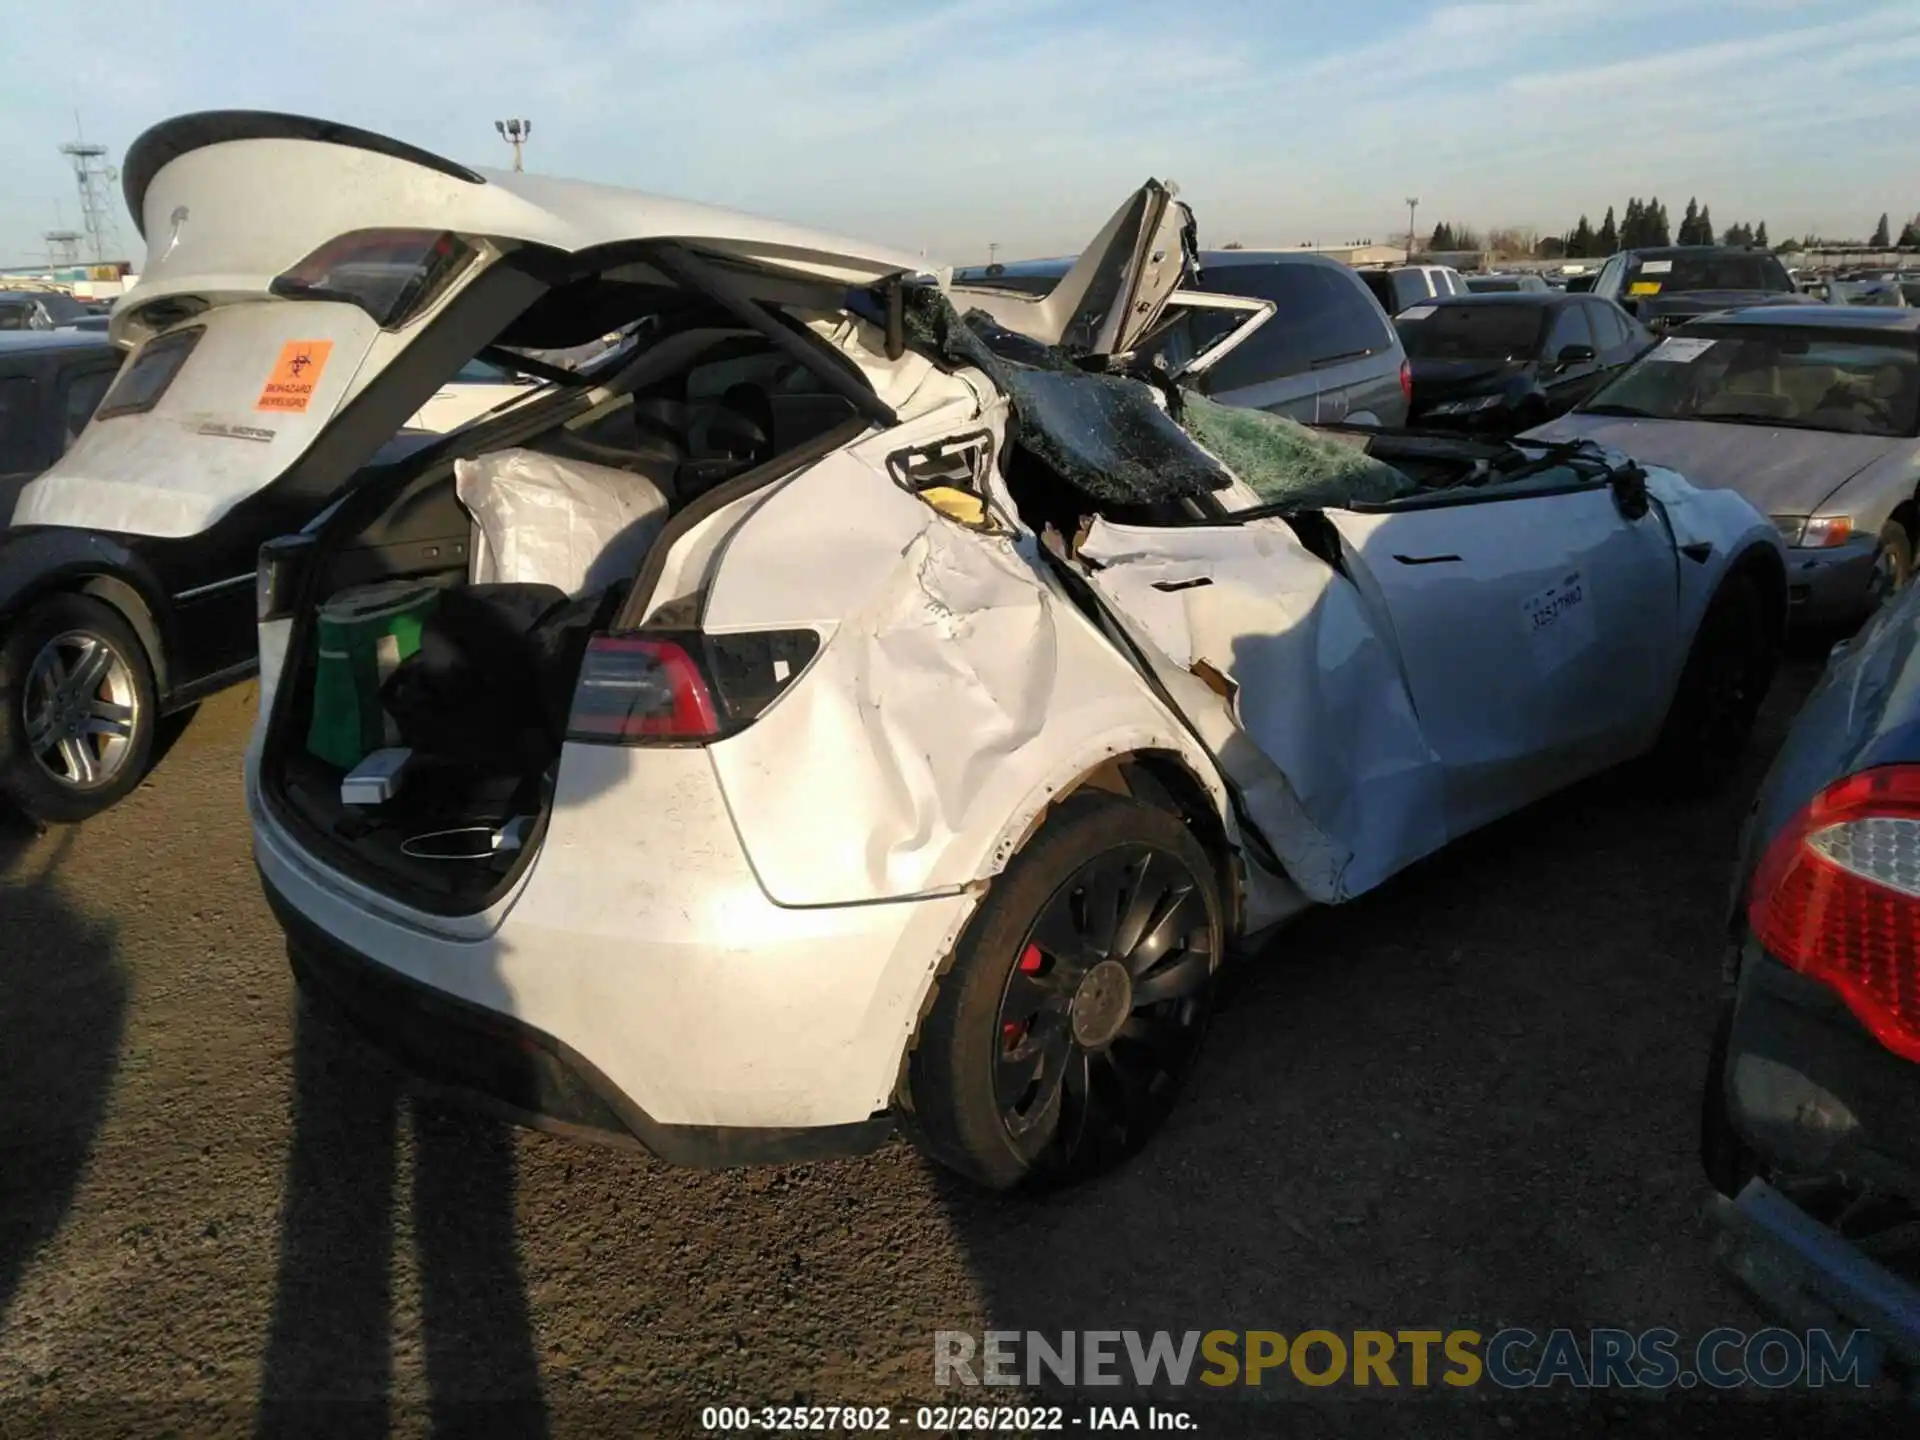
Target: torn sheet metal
{"points": [[955, 690], [1316, 690], [1107, 436]]}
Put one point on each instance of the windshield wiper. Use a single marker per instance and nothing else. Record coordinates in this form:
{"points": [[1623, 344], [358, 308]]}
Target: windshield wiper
{"points": [[1630, 412]]}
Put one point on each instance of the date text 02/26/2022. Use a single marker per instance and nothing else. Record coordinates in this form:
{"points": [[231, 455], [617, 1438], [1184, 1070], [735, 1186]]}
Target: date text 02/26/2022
{"points": [[938, 1419]]}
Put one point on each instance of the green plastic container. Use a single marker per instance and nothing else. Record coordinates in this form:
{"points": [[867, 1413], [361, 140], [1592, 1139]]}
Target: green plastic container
{"points": [[364, 633]]}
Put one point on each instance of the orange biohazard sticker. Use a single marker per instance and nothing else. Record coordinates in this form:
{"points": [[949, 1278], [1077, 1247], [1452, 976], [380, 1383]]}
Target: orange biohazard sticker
{"points": [[290, 387]]}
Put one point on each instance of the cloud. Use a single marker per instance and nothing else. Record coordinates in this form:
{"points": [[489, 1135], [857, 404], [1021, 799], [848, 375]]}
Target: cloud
{"points": [[947, 124]]}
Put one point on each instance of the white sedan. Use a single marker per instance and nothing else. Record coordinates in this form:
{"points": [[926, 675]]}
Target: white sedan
{"points": [[974, 692]]}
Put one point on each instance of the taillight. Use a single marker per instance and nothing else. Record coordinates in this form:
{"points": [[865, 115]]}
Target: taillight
{"points": [[683, 687], [1837, 897], [390, 274], [1406, 381]]}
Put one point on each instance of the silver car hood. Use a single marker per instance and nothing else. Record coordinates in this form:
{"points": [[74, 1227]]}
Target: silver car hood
{"points": [[1781, 471]]}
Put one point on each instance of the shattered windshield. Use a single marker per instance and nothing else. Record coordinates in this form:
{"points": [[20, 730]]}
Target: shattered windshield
{"points": [[1783, 377]]}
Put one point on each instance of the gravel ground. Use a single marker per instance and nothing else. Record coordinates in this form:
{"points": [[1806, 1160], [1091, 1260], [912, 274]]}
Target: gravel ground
{"points": [[1466, 1101]]}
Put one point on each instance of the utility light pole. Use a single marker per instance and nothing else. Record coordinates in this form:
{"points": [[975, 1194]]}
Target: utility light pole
{"points": [[515, 133], [1413, 204]]}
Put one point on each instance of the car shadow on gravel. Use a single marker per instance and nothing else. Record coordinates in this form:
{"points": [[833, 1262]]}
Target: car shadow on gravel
{"points": [[329, 1367], [1468, 1100], [63, 1001]]}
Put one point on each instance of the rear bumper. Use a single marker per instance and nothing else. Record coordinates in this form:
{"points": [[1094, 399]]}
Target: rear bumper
{"points": [[1810, 1090], [1810, 1277], [497, 1063]]}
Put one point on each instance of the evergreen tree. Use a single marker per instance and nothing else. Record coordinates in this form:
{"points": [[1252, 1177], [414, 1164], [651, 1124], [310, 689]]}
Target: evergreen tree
{"points": [[1657, 231], [1633, 225], [1690, 223], [1580, 244], [1609, 234], [1759, 237], [1704, 231], [1910, 233], [1882, 236], [1442, 238]]}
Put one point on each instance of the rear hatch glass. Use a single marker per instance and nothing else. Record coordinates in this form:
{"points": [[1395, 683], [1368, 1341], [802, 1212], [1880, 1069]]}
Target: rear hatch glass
{"points": [[1670, 273], [1470, 332]]}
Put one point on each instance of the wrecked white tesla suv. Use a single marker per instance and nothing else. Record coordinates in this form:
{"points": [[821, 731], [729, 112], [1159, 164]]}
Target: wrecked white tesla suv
{"points": [[854, 701]]}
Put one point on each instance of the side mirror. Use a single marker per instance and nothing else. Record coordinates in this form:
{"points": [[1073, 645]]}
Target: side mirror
{"points": [[1575, 355]]}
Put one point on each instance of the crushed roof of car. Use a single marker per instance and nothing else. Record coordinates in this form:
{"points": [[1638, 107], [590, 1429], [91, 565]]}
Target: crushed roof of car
{"points": [[1107, 435]]}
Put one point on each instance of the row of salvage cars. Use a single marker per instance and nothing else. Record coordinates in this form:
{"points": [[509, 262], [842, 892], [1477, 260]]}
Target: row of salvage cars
{"points": [[850, 700]]}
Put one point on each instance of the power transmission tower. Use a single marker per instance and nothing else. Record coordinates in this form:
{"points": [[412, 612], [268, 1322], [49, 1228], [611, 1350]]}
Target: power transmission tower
{"points": [[63, 247], [91, 177]]}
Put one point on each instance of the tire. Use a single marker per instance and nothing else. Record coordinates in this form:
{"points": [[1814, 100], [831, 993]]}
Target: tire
{"points": [[1057, 1041], [1727, 674], [102, 733], [1893, 565]]}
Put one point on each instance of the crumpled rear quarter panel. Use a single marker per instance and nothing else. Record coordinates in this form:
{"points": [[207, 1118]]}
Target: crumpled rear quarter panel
{"points": [[955, 690]]}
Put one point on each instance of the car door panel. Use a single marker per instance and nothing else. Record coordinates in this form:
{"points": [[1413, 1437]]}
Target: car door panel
{"points": [[1300, 696], [1534, 630], [1116, 290]]}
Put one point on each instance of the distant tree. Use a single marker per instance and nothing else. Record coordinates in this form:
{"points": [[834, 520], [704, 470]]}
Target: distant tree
{"points": [[1233, 245], [1632, 225], [1553, 247], [1465, 237], [1704, 231], [1580, 244], [1690, 223], [1609, 237], [1882, 237], [1657, 231], [1788, 245], [1910, 232], [1759, 237], [1442, 237], [1512, 242]]}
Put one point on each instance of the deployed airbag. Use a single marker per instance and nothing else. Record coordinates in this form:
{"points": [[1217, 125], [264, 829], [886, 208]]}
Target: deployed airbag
{"points": [[565, 523]]}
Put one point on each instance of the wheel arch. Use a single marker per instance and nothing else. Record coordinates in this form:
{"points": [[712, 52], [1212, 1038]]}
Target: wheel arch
{"points": [[1762, 564], [42, 561], [1164, 776], [134, 609]]}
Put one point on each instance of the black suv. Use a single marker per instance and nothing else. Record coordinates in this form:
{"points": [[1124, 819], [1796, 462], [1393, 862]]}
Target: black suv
{"points": [[1666, 287], [1327, 355]]}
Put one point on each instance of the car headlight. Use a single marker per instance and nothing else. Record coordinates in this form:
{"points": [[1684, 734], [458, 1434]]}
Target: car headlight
{"points": [[1816, 532], [1468, 407], [1826, 530]]}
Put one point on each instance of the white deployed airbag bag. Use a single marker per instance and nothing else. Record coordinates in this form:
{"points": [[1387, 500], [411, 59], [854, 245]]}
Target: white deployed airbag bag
{"points": [[543, 520]]}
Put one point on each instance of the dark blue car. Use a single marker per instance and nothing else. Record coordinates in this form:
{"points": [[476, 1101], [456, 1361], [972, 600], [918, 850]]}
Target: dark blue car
{"points": [[1811, 1119]]}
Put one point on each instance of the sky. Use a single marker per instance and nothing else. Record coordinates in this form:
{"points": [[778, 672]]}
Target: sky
{"points": [[946, 126]]}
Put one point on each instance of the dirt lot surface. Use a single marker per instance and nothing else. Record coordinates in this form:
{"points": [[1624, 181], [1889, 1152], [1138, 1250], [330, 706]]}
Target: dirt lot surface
{"points": [[1467, 1101]]}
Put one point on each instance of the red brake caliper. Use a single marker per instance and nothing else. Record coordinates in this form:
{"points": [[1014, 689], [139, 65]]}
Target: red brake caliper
{"points": [[1012, 1032]]}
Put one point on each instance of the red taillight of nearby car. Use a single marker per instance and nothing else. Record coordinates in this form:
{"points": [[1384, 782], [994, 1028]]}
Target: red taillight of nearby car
{"points": [[683, 687], [1837, 897], [1406, 381]]}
